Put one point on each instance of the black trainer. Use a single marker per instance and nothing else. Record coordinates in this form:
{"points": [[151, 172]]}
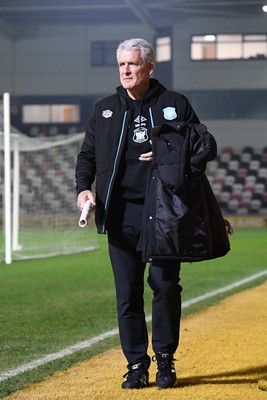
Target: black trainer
{"points": [[166, 374], [136, 377]]}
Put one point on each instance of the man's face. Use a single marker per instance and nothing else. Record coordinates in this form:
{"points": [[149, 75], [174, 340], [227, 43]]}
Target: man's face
{"points": [[134, 73]]}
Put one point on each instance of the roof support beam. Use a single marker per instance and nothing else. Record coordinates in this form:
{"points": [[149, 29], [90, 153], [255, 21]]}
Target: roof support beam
{"points": [[142, 14]]}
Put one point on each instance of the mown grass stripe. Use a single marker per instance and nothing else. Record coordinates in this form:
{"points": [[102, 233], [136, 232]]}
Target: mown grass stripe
{"points": [[96, 339]]}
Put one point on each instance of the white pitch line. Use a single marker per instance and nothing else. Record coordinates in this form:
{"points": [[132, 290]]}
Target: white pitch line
{"points": [[56, 356], [90, 342], [224, 289]]}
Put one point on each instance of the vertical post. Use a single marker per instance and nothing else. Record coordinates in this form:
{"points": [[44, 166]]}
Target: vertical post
{"points": [[16, 176], [7, 179]]}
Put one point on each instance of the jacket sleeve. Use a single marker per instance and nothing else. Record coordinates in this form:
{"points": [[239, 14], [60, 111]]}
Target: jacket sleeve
{"points": [[203, 148], [85, 166], [190, 114]]}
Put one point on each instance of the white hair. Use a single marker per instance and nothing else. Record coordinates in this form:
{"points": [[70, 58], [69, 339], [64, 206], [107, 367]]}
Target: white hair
{"points": [[146, 50]]}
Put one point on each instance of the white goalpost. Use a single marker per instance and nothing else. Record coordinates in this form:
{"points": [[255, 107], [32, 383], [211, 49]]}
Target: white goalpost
{"points": [[7, 178], [39, 213]]}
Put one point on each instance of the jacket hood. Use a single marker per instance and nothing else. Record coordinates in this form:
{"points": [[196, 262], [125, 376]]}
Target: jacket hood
{"points": [[155, 89]]}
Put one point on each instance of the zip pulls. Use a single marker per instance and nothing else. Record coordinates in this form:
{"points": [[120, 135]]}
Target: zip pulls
{"points": [[151, 117]]}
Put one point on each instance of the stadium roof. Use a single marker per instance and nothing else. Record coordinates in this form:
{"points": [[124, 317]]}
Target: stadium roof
{"points": [[16, 15]]}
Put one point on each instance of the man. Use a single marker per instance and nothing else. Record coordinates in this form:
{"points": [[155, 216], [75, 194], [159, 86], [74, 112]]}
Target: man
{"points": [[117, 152]]}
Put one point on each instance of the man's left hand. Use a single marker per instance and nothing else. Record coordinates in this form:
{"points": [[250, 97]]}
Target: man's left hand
{"points": [[146, 156]]}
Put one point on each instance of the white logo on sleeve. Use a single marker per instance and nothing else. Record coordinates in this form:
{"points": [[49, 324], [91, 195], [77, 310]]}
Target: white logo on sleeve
{"points": [[169, 113], [107, 113]]}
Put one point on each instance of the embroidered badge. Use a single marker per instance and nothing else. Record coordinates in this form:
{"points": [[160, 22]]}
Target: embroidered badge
{"points": [[140, 135], [169, 113], [107, 113]]}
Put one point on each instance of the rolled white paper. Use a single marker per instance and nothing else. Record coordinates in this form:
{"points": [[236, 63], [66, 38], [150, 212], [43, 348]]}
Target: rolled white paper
{"points": [[84, 214]]}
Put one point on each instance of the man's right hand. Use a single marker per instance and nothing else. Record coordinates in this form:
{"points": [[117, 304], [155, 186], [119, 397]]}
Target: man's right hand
{"points": [[83, 197]]}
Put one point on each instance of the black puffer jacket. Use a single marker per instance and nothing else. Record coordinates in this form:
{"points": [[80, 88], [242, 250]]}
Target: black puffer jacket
{"points": [[181, 218]]}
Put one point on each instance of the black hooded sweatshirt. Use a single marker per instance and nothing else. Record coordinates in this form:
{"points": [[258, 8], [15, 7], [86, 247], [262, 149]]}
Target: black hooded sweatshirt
{"points": [[131, 179]]}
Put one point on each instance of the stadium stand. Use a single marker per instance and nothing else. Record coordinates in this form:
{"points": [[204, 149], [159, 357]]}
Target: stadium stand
{"points": [[238, 179], [48, 201]]}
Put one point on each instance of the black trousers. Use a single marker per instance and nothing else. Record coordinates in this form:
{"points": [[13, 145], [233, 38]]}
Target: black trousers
{"points": [[163, 278]]}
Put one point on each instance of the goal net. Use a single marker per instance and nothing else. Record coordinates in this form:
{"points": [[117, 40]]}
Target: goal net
{"points": [[44, 213]]}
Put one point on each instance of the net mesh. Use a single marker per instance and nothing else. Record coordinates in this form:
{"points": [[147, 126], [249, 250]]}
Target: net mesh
{"points": [[48, 216]]}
